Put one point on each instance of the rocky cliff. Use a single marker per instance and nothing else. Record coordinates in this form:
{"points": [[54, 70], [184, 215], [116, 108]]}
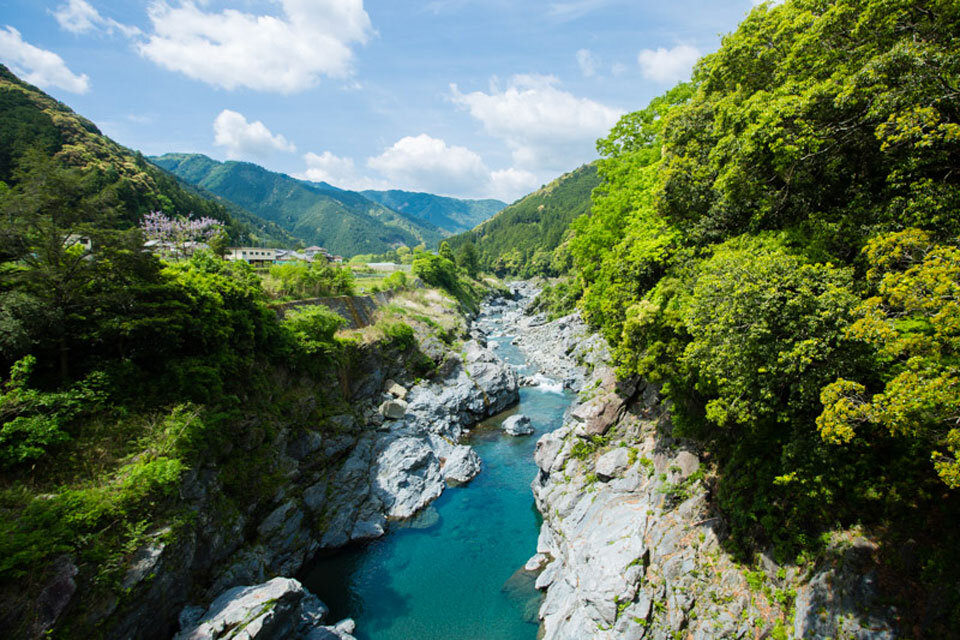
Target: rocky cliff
{"points": [[631, 546]]}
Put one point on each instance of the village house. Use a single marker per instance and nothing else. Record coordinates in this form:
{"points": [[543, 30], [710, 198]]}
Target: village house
{"points": [[251, 255]]}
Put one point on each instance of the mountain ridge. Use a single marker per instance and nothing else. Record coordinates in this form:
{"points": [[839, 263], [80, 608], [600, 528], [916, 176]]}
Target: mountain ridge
{"points": [[343, 221]]}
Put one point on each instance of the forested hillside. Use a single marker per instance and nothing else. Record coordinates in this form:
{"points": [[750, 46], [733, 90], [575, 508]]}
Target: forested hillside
{"points": [[453, 215], [522, 239], [777, 243], [344, 222], [123, 179]]}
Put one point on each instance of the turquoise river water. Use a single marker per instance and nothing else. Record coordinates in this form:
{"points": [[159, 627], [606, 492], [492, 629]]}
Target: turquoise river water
{"points": [[455, 571]]}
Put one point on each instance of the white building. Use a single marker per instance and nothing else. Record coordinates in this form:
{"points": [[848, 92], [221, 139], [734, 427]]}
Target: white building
{"points": [[251, 255]]}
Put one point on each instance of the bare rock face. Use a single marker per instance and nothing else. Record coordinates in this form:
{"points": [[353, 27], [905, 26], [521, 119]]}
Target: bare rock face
{"points": [[613, 463], [56, 595], [280, 609], [845, 586]]}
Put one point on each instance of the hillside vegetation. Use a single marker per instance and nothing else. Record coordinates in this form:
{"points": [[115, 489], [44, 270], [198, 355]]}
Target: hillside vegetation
{"points": [[777, 243], [343, 222], [523, 238], [32, 120]]}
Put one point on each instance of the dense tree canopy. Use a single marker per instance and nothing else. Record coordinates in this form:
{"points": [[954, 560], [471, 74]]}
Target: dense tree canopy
{"points": [[776, 242]]}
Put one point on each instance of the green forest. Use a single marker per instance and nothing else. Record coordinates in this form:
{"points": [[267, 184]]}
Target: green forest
{"points": [[776, 242], [528, 237]]}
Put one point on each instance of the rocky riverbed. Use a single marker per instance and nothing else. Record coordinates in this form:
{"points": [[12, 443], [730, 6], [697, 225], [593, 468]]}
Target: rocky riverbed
{"points": [[631, 546]]}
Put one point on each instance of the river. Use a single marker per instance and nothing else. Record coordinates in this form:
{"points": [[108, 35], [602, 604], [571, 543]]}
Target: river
{"points": [[455, 571]]}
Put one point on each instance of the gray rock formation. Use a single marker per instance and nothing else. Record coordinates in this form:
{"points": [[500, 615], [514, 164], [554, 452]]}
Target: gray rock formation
{"points": [[280, 609], [517, 425]]}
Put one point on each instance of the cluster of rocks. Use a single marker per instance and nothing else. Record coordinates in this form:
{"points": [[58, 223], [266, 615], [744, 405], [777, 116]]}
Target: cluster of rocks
{"points": [[387, 459], [630, 546], [564, 350]]}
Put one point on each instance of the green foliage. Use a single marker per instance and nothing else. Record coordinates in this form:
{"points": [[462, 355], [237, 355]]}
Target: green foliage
{"points": [[396, 281], [313, 329], [775, 242], [32, 120], [521, 239], [560, 298], [32, 422], [316, 279], [766, 332], [914, 325], [830, 118], [398, 334]]}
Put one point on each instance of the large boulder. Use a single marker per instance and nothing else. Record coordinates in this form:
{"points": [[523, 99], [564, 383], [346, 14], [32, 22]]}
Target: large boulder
{"points": [[407, 476], [280, 609], [517, 425], [462, 464]]}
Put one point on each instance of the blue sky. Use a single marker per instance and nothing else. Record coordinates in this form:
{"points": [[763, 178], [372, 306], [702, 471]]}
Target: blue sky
{"points": [[470, 98]]}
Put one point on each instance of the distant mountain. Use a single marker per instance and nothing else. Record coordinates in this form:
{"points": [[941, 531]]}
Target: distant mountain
{"points": [[29, 118], [345, 222], [450, 214], [520, 239]]}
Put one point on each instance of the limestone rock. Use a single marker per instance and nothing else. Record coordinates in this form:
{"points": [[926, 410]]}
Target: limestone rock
{"points": [[462, 465], [612, 463], [394, 389], [407, 477], [56, 594], [393, 409], [517, 425], [280, 609]]}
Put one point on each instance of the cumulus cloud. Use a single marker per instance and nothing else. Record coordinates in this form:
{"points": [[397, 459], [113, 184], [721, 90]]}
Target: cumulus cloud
{"points": [[79, 16], [546, 128], [233, 49], [38, 66], [510, 184], [668, 65], [338, 171], [430, 164], [246, 140], [588, 62]]}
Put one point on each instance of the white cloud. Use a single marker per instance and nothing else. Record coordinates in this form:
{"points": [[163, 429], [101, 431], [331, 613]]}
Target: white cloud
{"points": [[338, 171], [246, 140], [588, 62], [233, 49], [546, 128], [422, 163], [429, 164], [668, 65], [38, 66], [510, 184], [78, 16]]}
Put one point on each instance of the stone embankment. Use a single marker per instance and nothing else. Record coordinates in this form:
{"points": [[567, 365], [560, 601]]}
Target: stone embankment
{"points": [[631, 546]]}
